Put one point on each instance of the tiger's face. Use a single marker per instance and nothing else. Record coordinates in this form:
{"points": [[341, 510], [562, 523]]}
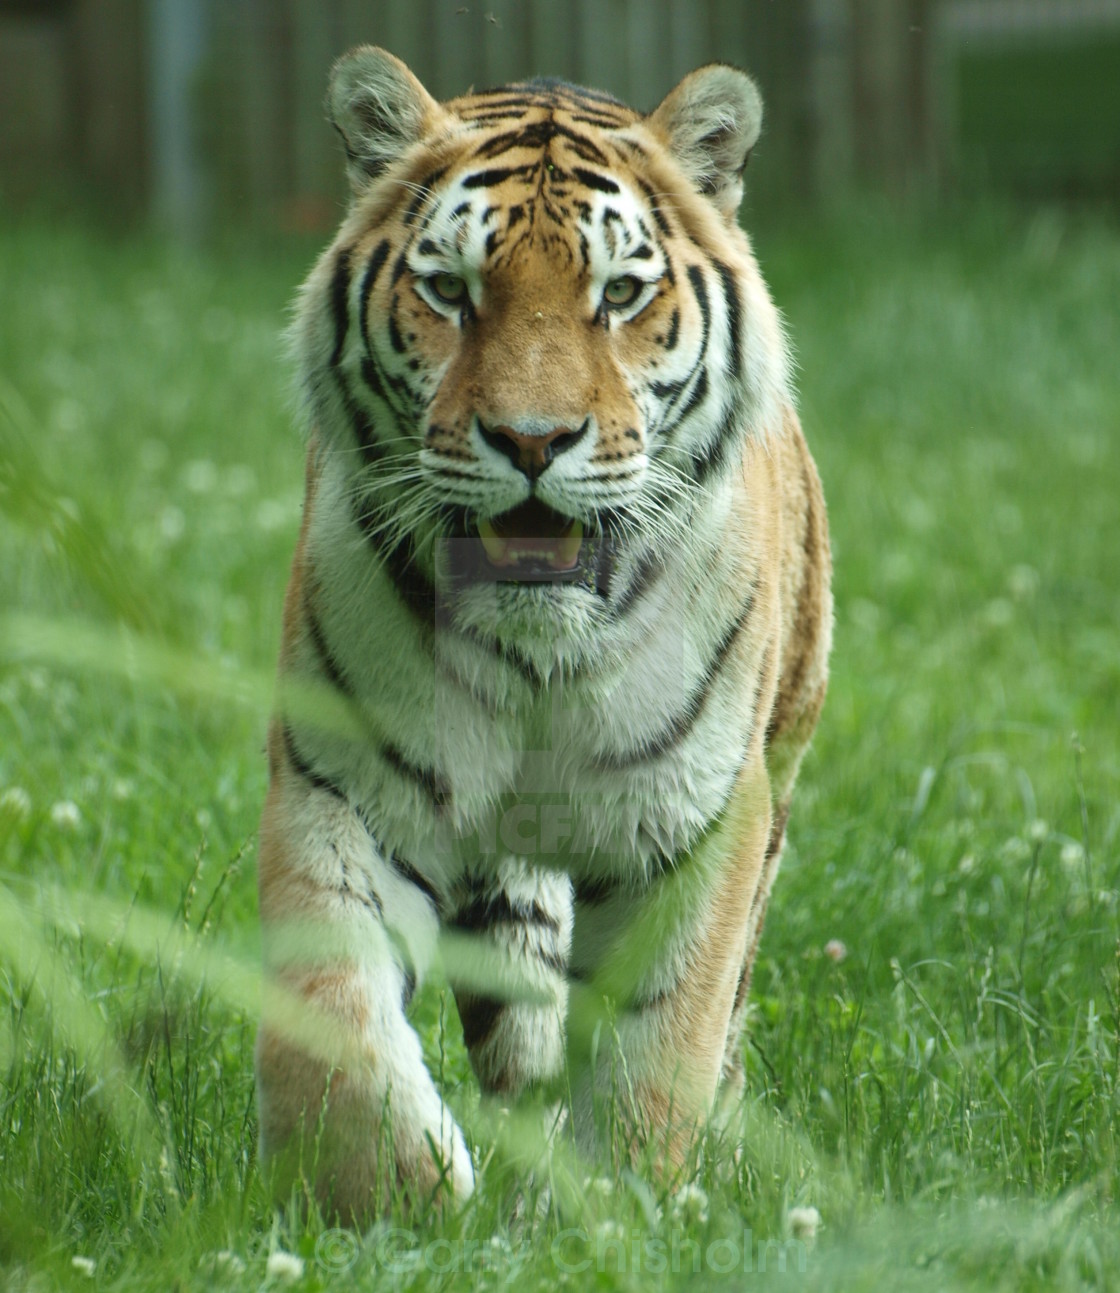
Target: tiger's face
{"points": [[535, 326]]}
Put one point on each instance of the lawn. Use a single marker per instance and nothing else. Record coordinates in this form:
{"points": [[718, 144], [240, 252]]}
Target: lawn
{"points": [[934, 1059]]}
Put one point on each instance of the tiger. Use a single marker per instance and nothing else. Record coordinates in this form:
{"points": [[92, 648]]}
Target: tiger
{"points": [[556, 634]]}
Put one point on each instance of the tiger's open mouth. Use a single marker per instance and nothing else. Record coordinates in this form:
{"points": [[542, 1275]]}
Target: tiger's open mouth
{"points": [[530, 544], [531, 537]]}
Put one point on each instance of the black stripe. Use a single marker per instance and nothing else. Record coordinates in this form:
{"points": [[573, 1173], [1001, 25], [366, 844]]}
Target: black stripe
{"points": [[649, 568], [423, 192], [492, 118], [674, 330], [679, 728], [359, 419], [364, 893], [734, 319], [713, 457], [593, 180], [395, 338], [306, 771], [496, 175], [539, 134], [340, 304], [671, 389], [372, 270], [327, 661], [590, 891], [412, 585], [700, 288], [553, 961], [479, 1015], [427, 779], [484, 910], [658, 215], [400, 267], [696, 398], [586, 118], [408, 872], [536, 134]]}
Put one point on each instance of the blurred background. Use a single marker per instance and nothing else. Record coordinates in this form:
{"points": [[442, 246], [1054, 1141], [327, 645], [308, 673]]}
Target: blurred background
{"points": [[198, 111]]}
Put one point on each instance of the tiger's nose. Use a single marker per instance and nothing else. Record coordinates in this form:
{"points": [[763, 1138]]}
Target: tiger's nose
{"points": [[531, 452]]}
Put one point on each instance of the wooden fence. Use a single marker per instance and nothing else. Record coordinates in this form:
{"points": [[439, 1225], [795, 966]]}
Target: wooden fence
{"points": [[216, 105], [820, 63]]}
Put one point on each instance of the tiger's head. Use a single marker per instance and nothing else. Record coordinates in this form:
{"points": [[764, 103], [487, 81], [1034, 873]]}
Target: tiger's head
{"points": [[540, 338]]}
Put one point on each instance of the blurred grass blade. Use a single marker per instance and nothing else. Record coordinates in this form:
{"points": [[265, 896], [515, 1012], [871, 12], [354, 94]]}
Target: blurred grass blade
{"points": [[68, 529], [122, 653], [78, 1021]]}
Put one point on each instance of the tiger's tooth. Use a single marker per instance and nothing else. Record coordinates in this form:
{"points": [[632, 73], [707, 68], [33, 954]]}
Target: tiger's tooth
{"points": [[567, 552], [495, 546]]}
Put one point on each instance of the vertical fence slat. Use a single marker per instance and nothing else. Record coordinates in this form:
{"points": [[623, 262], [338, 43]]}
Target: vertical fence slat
{"points": [[453, 35], [866, 106], [552, 39], [315, 168], [405, 30], [505, 43], [687, 38], [646, 77], [263, 47], [602, 30], [112, 116]]}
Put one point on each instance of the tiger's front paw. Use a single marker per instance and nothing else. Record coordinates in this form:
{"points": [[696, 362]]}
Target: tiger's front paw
{"points": [[413, 1159], [355, 1144]]}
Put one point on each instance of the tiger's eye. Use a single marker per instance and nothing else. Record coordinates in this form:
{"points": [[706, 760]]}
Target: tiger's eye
{"points": [[622, 291], [451, 288]]}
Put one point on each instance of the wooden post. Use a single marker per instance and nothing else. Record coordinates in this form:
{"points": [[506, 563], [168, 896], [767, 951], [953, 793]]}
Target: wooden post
{"points": [[829, 99], [895, 124], [111, 107], [177, 36], [316, 184], [552, 40]]}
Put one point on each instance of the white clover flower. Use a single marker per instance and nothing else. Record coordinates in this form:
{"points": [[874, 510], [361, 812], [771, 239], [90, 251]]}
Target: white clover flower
{"points": [[240, 480], [609, 1231], [1015, 850], [284, 1266], [200, 476], [1072, 855], [84, 1266], [272, 514], [1038, 831], [835, 950], [222, 1262], [15, 803], [66, 815], [172, 524], [496, 1253], [803, 1223], [1022, 582], [690, 1205], [599, 1187]]}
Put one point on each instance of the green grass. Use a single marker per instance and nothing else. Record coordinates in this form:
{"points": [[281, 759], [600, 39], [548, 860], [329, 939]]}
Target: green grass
{"points": [[946, 1095]]}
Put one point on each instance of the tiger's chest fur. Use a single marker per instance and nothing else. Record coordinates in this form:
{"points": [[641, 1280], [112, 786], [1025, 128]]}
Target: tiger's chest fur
{"points": [[557, 628]]}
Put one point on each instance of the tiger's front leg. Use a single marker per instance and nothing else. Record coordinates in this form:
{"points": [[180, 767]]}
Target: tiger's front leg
{"points": [[657, 975], [346, 1101], [520, 919]]}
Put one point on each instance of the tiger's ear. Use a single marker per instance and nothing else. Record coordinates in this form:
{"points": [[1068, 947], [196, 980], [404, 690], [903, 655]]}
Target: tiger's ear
{"points": [[711, 121], [379, 108]]}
